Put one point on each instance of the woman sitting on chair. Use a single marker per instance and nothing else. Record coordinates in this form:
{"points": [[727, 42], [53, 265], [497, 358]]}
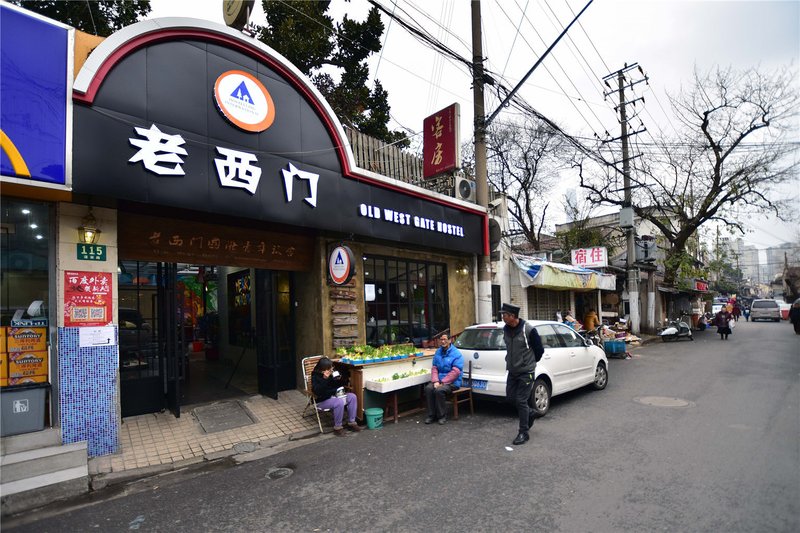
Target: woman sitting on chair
{"points": [[324, 385]]}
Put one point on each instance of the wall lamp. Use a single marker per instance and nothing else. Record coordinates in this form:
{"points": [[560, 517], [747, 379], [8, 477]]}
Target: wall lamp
{"points": [[88, 232], [462, 269]]}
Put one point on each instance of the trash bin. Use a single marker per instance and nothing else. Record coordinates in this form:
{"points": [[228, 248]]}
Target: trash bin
{"points": [[22, 409]]}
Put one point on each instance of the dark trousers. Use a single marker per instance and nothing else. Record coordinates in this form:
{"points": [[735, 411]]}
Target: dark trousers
{"points": [[518, 392], [436, 397]]}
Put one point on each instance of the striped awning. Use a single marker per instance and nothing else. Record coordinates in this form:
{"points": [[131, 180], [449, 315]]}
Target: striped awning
{"points": [[535, 272]]}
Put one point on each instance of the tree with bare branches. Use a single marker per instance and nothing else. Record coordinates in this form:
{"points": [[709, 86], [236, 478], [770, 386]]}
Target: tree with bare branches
{"points": [[732, 153], [523, 161]]}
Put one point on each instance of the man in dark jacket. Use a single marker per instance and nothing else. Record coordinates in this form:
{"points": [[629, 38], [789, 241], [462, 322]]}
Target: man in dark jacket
{"points": [[523, 349]]}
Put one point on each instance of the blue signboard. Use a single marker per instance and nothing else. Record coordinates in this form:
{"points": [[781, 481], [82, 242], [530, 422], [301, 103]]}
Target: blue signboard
{"points": [[34, 84]]}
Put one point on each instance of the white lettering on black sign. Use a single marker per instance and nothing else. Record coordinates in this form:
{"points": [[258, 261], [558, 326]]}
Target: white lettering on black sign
{"points": [[407, 219]]}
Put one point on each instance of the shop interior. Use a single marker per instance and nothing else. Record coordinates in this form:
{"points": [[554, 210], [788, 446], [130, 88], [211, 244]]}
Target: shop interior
{"points": [[210, 309]]}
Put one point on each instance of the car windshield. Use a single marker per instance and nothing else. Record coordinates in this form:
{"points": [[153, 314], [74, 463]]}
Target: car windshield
{"points": [[481, 339]]}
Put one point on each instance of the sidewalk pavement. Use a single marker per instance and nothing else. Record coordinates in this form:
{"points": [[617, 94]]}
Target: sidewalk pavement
{"points": [[157, 443]]}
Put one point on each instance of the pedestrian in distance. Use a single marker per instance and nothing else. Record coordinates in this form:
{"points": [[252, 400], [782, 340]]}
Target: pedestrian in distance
{"points": [[325, 386], [737, 311], [723, 322], [523, 349], [746, 314], [448, 366], [591, 320]]}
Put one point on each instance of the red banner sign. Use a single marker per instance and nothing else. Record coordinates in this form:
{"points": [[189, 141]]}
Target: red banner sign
{"points": [[87, 298], [700, 285], [440, 142]]}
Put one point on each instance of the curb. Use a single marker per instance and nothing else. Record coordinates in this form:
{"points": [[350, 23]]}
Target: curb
{"points": [[241, 452]]}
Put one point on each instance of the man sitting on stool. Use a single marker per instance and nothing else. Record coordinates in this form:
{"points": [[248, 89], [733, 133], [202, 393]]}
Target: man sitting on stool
{"points": [[448, 365]]}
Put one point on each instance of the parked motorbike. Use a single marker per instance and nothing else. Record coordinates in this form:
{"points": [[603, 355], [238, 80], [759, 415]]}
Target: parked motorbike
{"points": [[595, 336], [676, 329]]}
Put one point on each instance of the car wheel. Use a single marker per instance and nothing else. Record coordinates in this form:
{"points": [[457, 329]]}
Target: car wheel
{"points": [[540, 397], [600, 377]]}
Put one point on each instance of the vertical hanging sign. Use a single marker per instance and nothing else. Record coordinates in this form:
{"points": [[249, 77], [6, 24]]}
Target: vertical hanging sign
{"points": [[87, 298]]}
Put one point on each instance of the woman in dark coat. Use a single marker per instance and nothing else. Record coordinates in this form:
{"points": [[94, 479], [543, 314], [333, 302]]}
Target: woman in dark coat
{"points": [[721, 321]]}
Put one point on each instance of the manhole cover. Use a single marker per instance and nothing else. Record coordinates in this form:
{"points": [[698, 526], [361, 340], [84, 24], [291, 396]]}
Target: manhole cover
{"points": [[278, 473], [663, 401]]}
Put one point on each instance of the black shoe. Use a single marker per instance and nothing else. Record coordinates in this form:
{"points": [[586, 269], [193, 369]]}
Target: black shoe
{"points": [[430, 420], [443, 421], [522, 438]]}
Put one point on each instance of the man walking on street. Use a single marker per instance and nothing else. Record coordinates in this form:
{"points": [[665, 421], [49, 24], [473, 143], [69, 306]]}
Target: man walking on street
{"points": [[523, 349]]}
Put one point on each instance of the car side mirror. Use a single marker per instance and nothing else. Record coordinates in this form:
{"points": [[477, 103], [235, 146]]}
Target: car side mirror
{"points": [[587, 343]]}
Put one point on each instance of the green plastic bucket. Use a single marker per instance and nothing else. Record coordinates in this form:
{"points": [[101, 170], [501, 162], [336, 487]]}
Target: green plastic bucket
{"points": [[374, 417]]}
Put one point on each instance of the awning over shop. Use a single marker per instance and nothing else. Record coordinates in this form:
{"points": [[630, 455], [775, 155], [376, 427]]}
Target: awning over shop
{"points": [[535, 272]]}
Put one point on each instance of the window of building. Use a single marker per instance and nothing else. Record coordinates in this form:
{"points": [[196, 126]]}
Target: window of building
{"points": [[406, 301], [25, 266]]}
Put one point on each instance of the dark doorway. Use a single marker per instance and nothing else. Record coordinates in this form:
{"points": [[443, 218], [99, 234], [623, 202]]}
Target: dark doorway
{"points": [[173, 350]]}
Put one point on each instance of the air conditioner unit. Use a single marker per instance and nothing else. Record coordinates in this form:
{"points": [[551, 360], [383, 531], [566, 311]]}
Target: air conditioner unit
{"points": [[465, 189]]}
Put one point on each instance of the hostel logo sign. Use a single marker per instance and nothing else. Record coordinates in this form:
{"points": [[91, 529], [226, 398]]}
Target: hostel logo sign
{"points": [[244, 101], [340, 265]]}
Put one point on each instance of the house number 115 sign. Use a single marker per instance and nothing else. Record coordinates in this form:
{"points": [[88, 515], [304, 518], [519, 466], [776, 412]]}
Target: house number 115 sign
{"points": [[92, 252]]}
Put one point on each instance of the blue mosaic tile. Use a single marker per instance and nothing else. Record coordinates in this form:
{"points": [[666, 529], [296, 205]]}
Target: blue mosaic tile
{"points": [[88, 395]]}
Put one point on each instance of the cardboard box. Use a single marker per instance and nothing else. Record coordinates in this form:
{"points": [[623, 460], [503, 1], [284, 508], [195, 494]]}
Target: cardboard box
{"points": [[27, 339], [3, 344], [27, 364], [12, 382], [3, 370]]}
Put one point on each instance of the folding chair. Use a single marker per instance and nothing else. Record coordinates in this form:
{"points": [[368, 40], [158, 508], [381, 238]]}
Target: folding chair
{"points": [[464, 392], [308, 366]]}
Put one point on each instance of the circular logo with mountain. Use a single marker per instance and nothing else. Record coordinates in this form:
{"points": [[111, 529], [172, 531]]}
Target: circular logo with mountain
{"points": [[244, 101]]}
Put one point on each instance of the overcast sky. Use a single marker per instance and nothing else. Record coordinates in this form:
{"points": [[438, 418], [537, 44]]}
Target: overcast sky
{"points": [[668, 38]]}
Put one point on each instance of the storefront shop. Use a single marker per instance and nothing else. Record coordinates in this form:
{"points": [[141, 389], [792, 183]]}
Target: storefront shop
{"points": [[35, 85], [545, 288], [225, 182]]}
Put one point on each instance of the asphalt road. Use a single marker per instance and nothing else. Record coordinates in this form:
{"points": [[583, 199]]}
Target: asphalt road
{"points": [[688, 436]]}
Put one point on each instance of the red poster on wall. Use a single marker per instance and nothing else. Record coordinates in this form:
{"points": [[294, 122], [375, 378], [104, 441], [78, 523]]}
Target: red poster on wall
{"points": [[87, 298]]}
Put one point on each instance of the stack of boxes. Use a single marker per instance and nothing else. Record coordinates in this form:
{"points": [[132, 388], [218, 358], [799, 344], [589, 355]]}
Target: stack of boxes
{"points": [[24, 356]]}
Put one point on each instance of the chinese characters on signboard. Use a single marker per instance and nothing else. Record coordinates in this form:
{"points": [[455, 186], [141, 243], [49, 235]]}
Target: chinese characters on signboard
{"points": [[440, 142], [590, 257], [87, 298], [156, 239]]}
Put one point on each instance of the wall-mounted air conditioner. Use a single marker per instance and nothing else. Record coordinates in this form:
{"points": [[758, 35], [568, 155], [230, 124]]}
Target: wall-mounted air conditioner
{"points": [[465, 189]]}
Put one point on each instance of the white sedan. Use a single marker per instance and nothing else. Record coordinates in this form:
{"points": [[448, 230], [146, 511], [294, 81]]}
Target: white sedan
{"points": [[569, 361]]}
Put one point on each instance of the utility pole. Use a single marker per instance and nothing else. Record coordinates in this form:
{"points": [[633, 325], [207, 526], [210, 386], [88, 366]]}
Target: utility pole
{"points": [[484, 305], [632, 270], [484, 296]]}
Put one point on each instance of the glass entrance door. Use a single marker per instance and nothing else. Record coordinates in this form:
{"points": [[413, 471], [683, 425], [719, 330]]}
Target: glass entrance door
{"points": [[275, 332], [140, 324]]}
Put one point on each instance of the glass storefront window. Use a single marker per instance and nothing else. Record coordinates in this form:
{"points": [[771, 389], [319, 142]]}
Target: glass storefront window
{"points": [[405, 301], [25, 262]]}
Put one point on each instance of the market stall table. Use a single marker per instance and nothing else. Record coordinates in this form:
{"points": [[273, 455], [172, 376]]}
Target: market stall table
{"points": [[377, 377]]}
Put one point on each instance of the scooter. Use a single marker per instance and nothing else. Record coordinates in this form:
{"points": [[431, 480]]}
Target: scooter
{"points": [[676, 329]]}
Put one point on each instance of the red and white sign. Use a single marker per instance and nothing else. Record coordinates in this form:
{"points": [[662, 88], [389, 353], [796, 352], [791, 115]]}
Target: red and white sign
{"points": [[590, 257], [87, 298], [440, 142], [244, 101], [340, 265], [700, 285]]}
